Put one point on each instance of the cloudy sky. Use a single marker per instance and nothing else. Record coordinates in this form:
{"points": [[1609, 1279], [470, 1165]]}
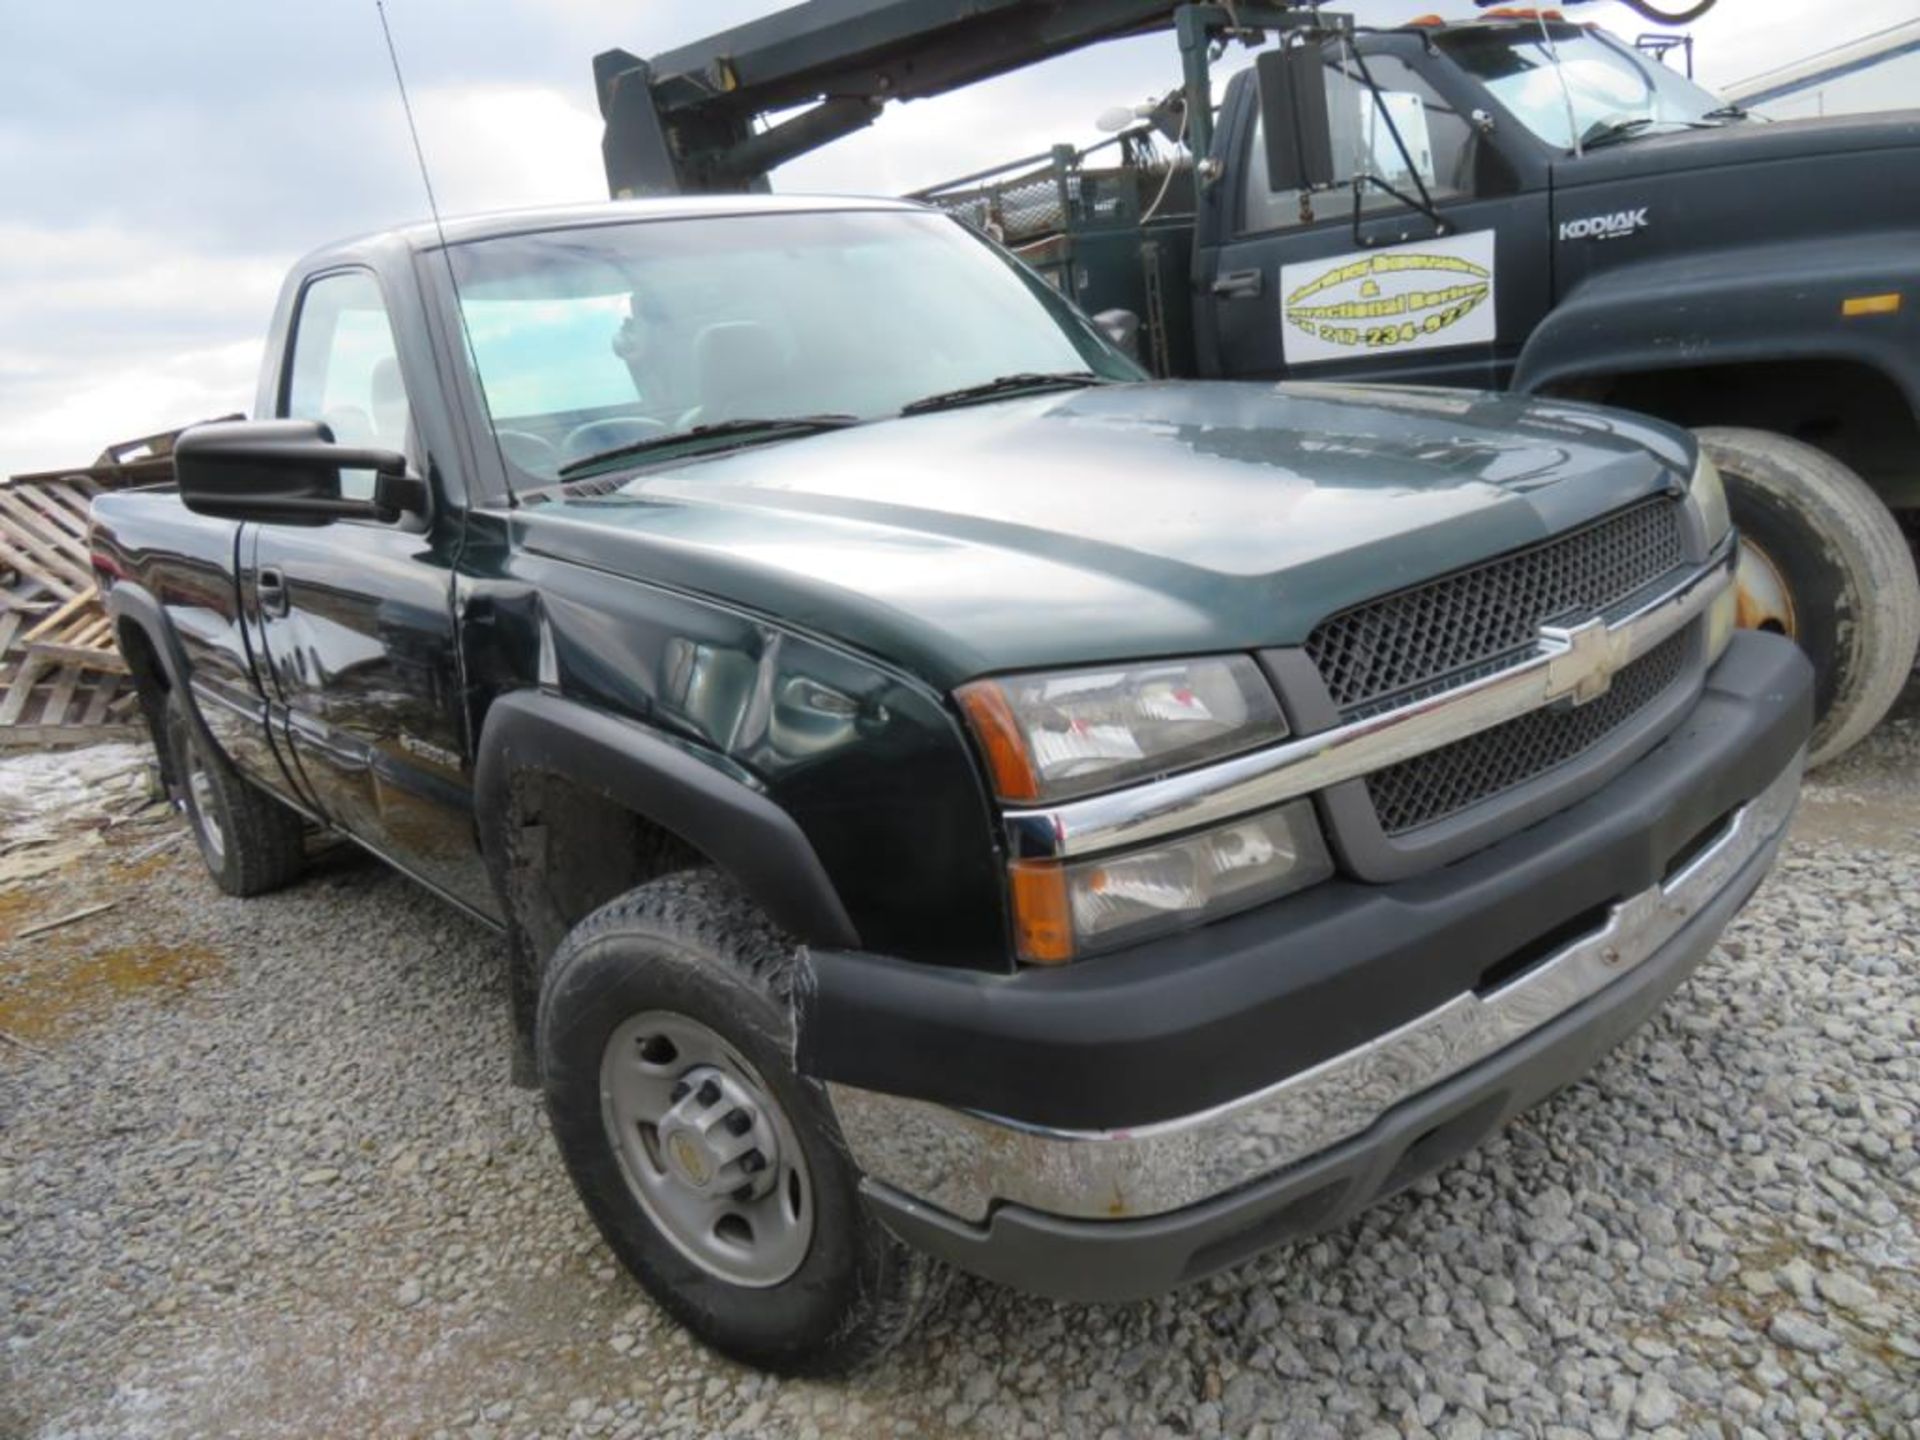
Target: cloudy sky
{"points": [[161, 164]]}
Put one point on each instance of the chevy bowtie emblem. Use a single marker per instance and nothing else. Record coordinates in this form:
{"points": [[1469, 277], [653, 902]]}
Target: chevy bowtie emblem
{"points": [[1583, 662]]}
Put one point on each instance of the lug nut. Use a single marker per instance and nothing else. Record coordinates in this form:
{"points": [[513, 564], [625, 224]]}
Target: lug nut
{"points": [[709, 1092], [743, 1193], [680, 1092], [753, 1162], [739, 1122]]}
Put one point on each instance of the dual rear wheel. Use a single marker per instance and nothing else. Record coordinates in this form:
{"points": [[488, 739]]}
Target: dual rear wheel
{"points": [[1824, 562]]}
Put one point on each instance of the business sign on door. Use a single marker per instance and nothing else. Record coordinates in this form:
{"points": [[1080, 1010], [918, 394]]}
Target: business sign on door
{"points": [[1426, 295]]}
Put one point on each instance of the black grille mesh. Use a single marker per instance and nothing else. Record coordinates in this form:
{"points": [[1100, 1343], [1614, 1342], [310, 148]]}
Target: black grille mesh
{"points": [[1025, 208], [1446, 630], [1435, 785]]}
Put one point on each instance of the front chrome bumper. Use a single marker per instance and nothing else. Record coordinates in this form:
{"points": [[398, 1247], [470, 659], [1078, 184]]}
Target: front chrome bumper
{"points": [[965, 1162]]}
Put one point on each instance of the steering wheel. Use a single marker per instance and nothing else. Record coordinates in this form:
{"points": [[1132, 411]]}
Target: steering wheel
{"points": [[609, 434]]}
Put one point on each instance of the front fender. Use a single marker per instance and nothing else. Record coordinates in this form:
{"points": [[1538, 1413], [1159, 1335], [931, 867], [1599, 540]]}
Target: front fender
{"points": [[1725, 307], [695, 795]]}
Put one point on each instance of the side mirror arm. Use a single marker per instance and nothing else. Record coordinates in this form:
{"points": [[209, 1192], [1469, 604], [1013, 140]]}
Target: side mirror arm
{"points": [[397, 495]]}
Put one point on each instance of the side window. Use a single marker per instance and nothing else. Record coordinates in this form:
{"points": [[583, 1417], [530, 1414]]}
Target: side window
{"points": [[1437, 139], [346, 371]]}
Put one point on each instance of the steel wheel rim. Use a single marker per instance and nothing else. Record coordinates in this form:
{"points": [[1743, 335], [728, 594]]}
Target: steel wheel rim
{"points": [[685, 1158], [201, 799], [1764, 601]]}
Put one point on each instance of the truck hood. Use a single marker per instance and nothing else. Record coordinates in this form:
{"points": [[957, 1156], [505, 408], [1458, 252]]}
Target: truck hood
{"points": [[1742, 200], [1747, 142], [1116, 522]]}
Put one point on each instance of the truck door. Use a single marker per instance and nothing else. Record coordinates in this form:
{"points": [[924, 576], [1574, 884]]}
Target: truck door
{"points": [[355, 618], [1293, 294]]}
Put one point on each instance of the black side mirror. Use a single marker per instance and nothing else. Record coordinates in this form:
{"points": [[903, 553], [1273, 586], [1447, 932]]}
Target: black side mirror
{"points": [[1293, 115], [1122, 329], [287, 472]]}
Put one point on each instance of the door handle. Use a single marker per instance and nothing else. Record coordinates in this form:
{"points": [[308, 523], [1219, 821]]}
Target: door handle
{"points": [[271, 586], [1238, 285]]}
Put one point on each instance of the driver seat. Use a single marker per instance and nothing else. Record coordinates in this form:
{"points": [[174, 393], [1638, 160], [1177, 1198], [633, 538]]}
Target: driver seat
{"points": [[738, 365]]}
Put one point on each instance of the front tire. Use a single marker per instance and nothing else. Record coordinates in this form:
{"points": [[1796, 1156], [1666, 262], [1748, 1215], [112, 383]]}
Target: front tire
{"points": [[714, 1170], [1825, 563], [250, 841]]}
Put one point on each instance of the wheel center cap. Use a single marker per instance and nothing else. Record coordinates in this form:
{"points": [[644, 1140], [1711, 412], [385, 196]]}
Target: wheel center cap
{"points": [[690, 1159]]}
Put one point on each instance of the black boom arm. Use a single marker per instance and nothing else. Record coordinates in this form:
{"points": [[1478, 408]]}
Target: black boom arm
{"points": [[685, 120]]}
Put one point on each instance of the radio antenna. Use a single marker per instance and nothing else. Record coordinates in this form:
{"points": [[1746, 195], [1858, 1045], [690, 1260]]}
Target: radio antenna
{"points": [[440, 232], [406, 105]]}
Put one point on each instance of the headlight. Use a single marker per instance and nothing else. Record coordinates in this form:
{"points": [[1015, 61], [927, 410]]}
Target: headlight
{"points": [[1062, 911], [1048, 737], [1710, 499]]}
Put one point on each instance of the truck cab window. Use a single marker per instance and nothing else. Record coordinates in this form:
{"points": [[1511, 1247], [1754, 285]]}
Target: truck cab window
{"points": [[345, 371], [612, 335], [1604, 84], [1437, 139]]}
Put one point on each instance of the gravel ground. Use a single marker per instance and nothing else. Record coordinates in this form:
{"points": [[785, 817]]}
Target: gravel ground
{"points": [[261, 1173]]}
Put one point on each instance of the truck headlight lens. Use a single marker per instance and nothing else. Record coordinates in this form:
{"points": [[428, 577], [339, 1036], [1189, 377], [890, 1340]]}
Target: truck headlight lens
{"points": [[1709, 497], [1052, 736], [1065, 910]]}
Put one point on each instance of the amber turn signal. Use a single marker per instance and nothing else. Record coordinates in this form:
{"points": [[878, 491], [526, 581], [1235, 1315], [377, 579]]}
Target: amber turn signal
{"points": [[1888, 304], [1042, 922], [999, 734]]}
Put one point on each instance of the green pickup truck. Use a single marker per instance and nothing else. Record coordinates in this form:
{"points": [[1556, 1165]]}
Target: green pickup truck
{"points": [[950, 799]]}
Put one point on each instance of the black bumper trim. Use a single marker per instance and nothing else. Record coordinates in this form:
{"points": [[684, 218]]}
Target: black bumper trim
{"points": [[1177, 1026], [1120, 1260]]}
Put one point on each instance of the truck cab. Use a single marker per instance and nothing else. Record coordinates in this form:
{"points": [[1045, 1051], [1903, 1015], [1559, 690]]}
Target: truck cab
{"points": [[1564, 189]]}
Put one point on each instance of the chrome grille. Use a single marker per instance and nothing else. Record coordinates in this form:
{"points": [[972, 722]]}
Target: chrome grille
{"points": [[1442, 782], [1444, 632]]}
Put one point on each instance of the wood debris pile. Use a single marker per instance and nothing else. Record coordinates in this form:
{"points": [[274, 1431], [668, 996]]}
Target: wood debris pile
{"points": [[56, 810], [61, 679]]}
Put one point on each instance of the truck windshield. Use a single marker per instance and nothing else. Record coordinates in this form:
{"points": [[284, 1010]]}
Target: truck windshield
{"points": [[595, 339], [1614, 91]]}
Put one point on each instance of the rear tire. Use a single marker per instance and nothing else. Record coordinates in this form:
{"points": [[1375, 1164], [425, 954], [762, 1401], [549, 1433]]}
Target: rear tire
{"points": [[680, 988], [1848, 574], [250, 841]]}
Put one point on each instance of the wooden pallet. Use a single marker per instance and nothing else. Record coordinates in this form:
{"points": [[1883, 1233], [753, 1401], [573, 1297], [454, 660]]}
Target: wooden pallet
{"points": [[43, 533], [61, 679], [59, 669]]}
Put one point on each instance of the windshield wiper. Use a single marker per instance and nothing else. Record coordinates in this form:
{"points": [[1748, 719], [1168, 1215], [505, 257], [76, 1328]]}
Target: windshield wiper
{"points": [[1728, 111], [1025, 381], [1614, 131], [746, 428]]}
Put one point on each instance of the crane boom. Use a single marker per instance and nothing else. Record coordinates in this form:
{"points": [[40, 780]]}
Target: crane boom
{"points": [[685, 120], [691, 119]]}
